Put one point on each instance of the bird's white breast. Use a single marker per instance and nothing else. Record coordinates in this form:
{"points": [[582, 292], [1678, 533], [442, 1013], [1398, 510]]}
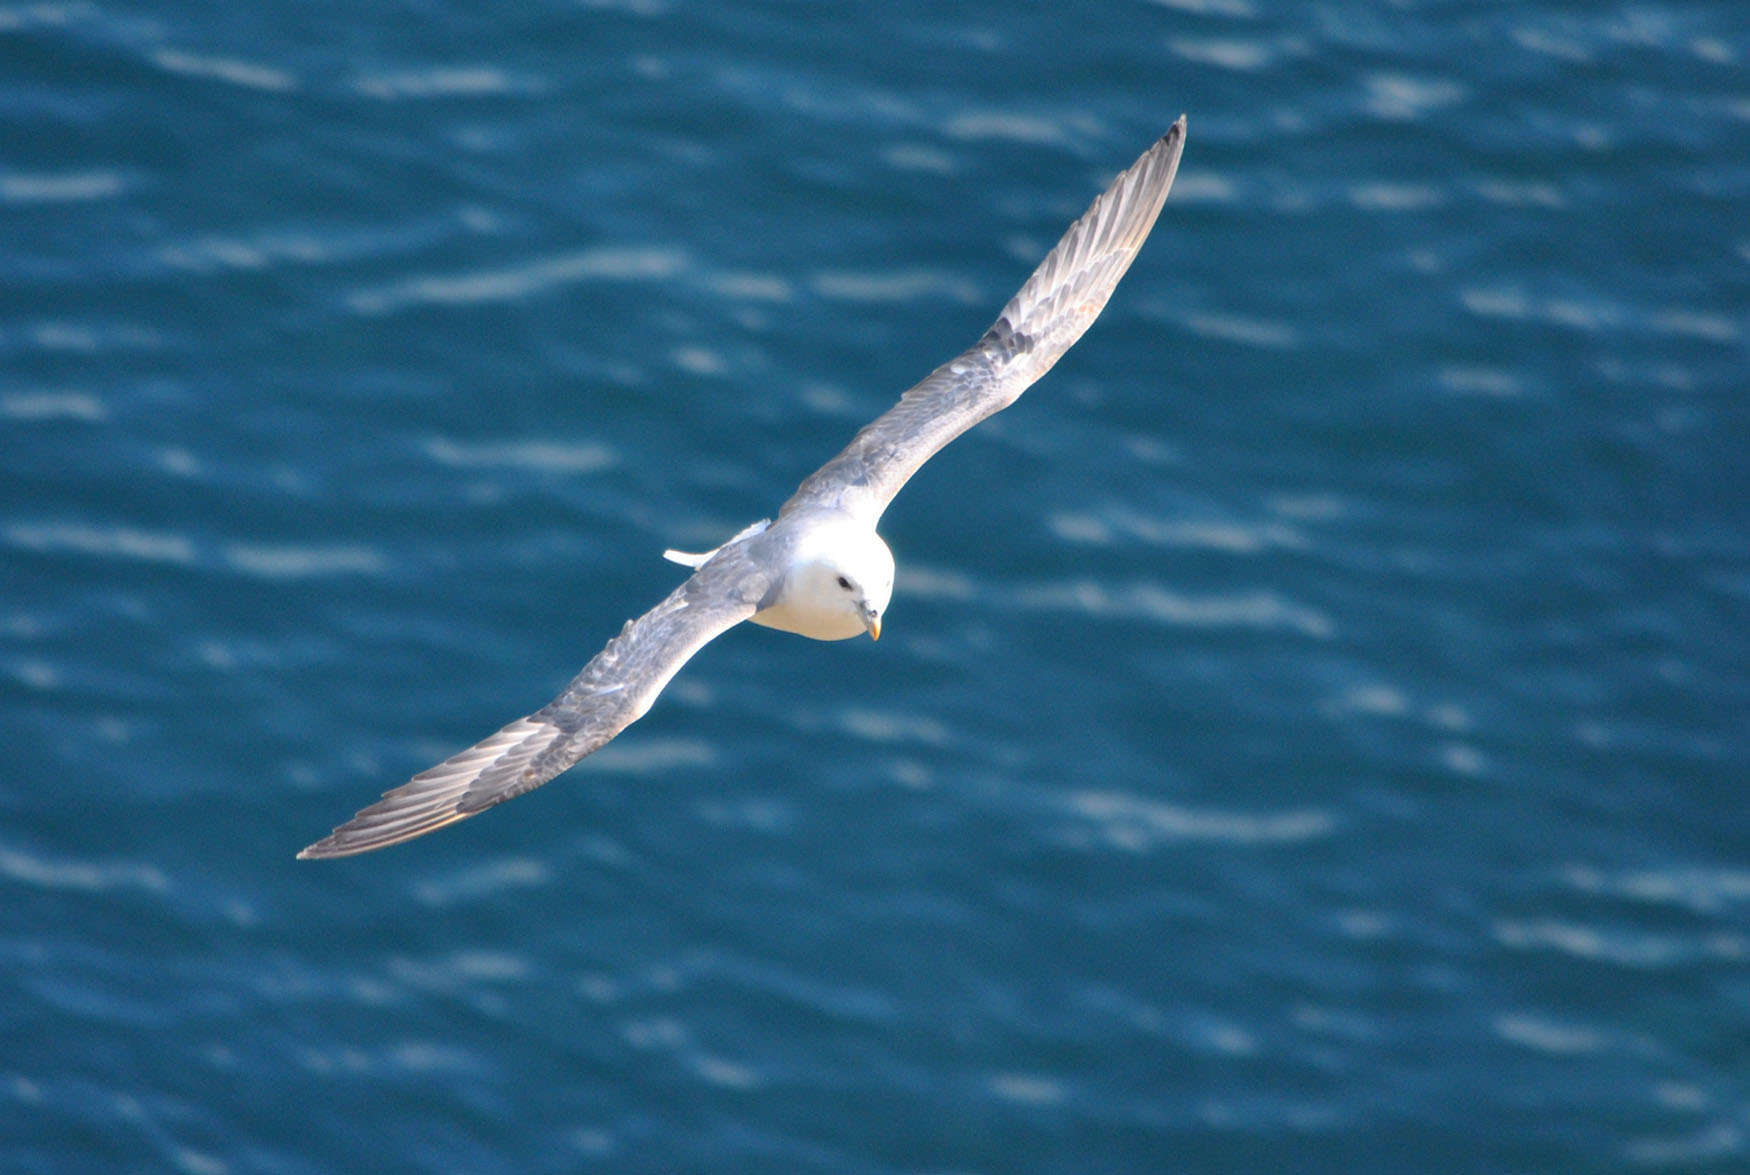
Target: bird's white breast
{"points": [[823, 620]]}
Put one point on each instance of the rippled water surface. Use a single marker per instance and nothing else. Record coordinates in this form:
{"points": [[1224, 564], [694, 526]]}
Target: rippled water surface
{"points": [[1310, 729]]}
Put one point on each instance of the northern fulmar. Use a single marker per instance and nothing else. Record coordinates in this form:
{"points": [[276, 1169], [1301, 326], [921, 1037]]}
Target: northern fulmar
{"points": [[818, 569]]}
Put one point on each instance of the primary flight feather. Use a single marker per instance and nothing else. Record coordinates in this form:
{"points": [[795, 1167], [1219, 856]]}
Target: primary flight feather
{"points": [[819, 569]]}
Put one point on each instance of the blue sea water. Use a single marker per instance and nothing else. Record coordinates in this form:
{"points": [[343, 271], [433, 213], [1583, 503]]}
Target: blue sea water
{"points": [[1310, 731]]}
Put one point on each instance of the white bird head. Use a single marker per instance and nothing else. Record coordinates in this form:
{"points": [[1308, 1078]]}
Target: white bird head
{"points": [[839, 583], [857, 572]]}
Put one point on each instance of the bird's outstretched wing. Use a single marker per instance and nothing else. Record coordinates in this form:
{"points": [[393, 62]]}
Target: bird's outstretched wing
{"points": [[1064, 295], [613, 691]]}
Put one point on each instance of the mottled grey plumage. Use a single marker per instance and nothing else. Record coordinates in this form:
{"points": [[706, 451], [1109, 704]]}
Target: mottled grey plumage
{"points": [[1062, 298], [774, 574], [613, 691]]}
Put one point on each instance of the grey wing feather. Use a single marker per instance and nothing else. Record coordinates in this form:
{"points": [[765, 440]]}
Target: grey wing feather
{"points": [[613, 691], [1064, 295]]}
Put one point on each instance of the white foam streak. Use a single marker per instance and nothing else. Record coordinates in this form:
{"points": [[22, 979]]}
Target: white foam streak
{"points": [[209, 254], [1239, 9], [466, 81], [109, 542], [1243, 56], [304, 562], [62, 187], [1513, 303], [652, 756], [486, 881], [1148, 601], [1119, 527], [1546, 1036], [1014, 128], [52, 406], [532, 455], [1619, 947], [1137, 825], [83, 876], [1400, 98], [521, 281], [1250, 332], [1702, 889], [907, 285], [225, 69]]}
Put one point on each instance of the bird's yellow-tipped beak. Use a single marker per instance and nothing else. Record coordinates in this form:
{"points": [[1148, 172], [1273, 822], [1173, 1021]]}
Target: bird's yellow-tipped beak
{"points": [[875, 628]]}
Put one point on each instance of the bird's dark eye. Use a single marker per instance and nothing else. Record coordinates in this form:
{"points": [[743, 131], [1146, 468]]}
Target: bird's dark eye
{"points": [[844, 583]]}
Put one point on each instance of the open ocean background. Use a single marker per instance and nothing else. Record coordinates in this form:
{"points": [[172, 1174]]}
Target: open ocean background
{"points": [[1311, 730]]}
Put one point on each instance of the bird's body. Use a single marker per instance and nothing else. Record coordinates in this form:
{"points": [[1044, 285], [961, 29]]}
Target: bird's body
{"points": [[819, 569]]}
